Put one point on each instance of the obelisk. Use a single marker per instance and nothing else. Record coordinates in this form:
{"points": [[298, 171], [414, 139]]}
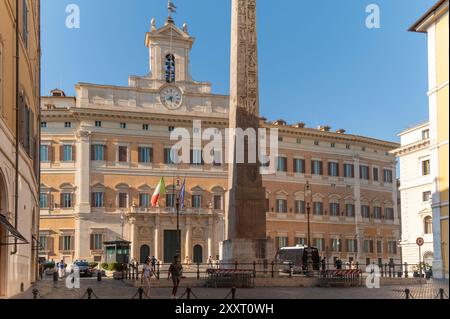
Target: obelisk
{"points": [[245, 211]]}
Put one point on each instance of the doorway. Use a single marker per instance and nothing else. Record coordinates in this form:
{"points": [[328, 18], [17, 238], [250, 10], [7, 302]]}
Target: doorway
{"points": [[198, 254], [144, 253], [170, 245], [3, 238]]}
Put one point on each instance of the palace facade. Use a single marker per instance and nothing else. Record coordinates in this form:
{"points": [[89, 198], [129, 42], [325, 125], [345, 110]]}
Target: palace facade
{"points": [[105, 150]]}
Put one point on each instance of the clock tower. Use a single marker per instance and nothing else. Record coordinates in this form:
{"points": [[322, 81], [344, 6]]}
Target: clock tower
{"points": [[169, 49]]}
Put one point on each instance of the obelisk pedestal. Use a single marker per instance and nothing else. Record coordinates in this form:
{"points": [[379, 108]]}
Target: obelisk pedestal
{"points": [[245, 211]]}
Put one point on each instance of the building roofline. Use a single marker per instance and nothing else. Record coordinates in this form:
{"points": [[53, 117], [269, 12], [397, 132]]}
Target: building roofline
{"points": [[431, 13], [413, 128]]}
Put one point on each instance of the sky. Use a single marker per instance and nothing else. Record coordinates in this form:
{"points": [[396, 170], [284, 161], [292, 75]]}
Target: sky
{"points": [[318, 62]]}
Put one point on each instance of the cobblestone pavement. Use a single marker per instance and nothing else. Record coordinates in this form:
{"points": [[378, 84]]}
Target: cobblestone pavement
{"points": [[117, 289]]}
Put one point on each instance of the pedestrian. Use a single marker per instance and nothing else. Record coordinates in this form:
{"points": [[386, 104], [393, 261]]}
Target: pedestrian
{"points": [[61, 268], [175, 271], [147, 273], [210, 262], [353, 265], [338, 264], [41, 269], [324, 264], [154, 261]]}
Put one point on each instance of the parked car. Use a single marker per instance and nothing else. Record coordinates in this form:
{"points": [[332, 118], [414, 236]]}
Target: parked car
{"points": [[83, 267], [296, 257]]}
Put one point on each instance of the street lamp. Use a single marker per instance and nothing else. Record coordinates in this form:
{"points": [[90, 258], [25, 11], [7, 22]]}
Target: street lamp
{"points": [[122, 222], [308, 194], [177, 205]]}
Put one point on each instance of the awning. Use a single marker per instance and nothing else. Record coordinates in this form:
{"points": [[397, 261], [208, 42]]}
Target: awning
{"points": [[12, 230]]}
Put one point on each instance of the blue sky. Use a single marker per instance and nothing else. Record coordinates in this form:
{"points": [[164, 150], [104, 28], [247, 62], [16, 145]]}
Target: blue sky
{"points": [[319, 64]]}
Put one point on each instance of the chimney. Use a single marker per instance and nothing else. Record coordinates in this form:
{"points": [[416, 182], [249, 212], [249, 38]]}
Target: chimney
{"points": [[324, 128], [280, 123], [300, 125], [341, 131]]}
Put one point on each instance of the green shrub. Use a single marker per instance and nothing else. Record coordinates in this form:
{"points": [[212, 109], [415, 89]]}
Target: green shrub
{"points": [[105, 266], [115, 267], [49, 265]]}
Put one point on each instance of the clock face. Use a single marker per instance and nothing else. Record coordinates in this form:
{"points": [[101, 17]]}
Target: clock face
{"points": [[171, 97]]}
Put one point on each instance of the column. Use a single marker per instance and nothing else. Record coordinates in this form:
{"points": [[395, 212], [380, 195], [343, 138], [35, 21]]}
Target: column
{"points": [[83, 172], [358, 217], [133, 238], [156, 239], [210, 237], [188, 244]]}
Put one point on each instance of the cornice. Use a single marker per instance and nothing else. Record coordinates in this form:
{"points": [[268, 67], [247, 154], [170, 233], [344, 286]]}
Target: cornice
{"points": [[412, 148]]}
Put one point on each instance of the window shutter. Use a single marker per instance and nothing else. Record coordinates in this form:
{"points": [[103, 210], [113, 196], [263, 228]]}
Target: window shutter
{"points": [[105, 153], [140, 155], [93, 199], [356, 245], [72, 242], [74, 153], [61, 153], [73, 200], [61, 243], [92, 241], [321, 168], [50, 244], [371, 246], [92, 152], [151, 154], [61, 200], [50, 154]]}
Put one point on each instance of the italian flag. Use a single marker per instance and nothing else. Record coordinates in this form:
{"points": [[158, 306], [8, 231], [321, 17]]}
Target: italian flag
{"points": [[160, 191]]}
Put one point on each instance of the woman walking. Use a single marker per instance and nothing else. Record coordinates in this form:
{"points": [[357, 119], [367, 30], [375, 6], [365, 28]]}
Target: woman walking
{"points": [[147, 273], [176, 271]]}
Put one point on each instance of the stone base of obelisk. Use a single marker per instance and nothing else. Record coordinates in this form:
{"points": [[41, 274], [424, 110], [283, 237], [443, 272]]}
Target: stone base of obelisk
{"points": [[245, 252]]}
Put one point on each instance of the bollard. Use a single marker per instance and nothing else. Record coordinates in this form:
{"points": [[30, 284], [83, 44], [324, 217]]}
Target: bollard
{"points": [[55, 277], [441, 293], [406, 270], [290, 269], [254, 269], [233, 293], [408, 293], [198, 271], [140, 292], [89, 293], [273, 266], [158, 270], [188, 293], [99, 276], [35, 293]]}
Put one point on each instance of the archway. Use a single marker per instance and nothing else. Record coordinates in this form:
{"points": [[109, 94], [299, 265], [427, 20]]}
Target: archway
{"points": [[3, 249], [144, 253], [428, 258], [198, 254]]}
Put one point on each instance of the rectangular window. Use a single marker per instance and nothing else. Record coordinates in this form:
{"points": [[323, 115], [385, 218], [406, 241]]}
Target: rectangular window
{"points": [[333, 169], [368, 246], [98, 200], [389, 213], [336, 245], [171, 128], [392, 247], [67, 124], [426, 196], [281, 206], [352, 245], [377, 212], [281, 242], [43, 124], [300, 241], [300, 207], [144, 200], [334, 209], [123, 125], [350, 210], [365, 211], [67, 153], [123, 200], [317, 167], [170, 200], [218, 202], [282, 164], [43, 199], [98, 123], [318, 208], [96, 241], [349, 170], [98, 152], [388, 176], [319, 243], [376, 174], [426, 169], [168, 156], [43, 243], [44, 153], [123, 154], [67, 200], [299, 166], [145, 127], [197, 157], [379, 247], [425, 134], [67, 243], [196, 201], [364, 172], [145, 154]]}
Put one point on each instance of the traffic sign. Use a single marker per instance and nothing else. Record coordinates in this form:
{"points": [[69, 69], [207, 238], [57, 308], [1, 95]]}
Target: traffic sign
{"points": [[420, 241]]}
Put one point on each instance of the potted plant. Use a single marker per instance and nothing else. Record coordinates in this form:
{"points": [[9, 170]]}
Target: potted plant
{"points": [[49, 268]]}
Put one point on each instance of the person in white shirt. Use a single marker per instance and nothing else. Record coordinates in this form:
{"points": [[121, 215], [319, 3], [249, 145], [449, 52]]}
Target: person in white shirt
{"points": [[147, 273]]}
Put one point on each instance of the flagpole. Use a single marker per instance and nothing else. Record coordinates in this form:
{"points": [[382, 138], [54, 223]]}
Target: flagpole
{"points": [[178, 220]]}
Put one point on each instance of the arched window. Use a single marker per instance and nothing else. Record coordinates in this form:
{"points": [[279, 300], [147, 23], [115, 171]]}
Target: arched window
{"points": [[170, 68], [428, 225]]}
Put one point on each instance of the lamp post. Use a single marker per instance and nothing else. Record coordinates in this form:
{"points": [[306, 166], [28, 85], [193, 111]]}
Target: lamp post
{"points": [[122, 223], [177, 205], [309, 260]]}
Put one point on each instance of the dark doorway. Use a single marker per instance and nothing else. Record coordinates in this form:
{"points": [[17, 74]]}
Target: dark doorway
{"points": [[170, 245], [198, 254], [144, 253]]}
